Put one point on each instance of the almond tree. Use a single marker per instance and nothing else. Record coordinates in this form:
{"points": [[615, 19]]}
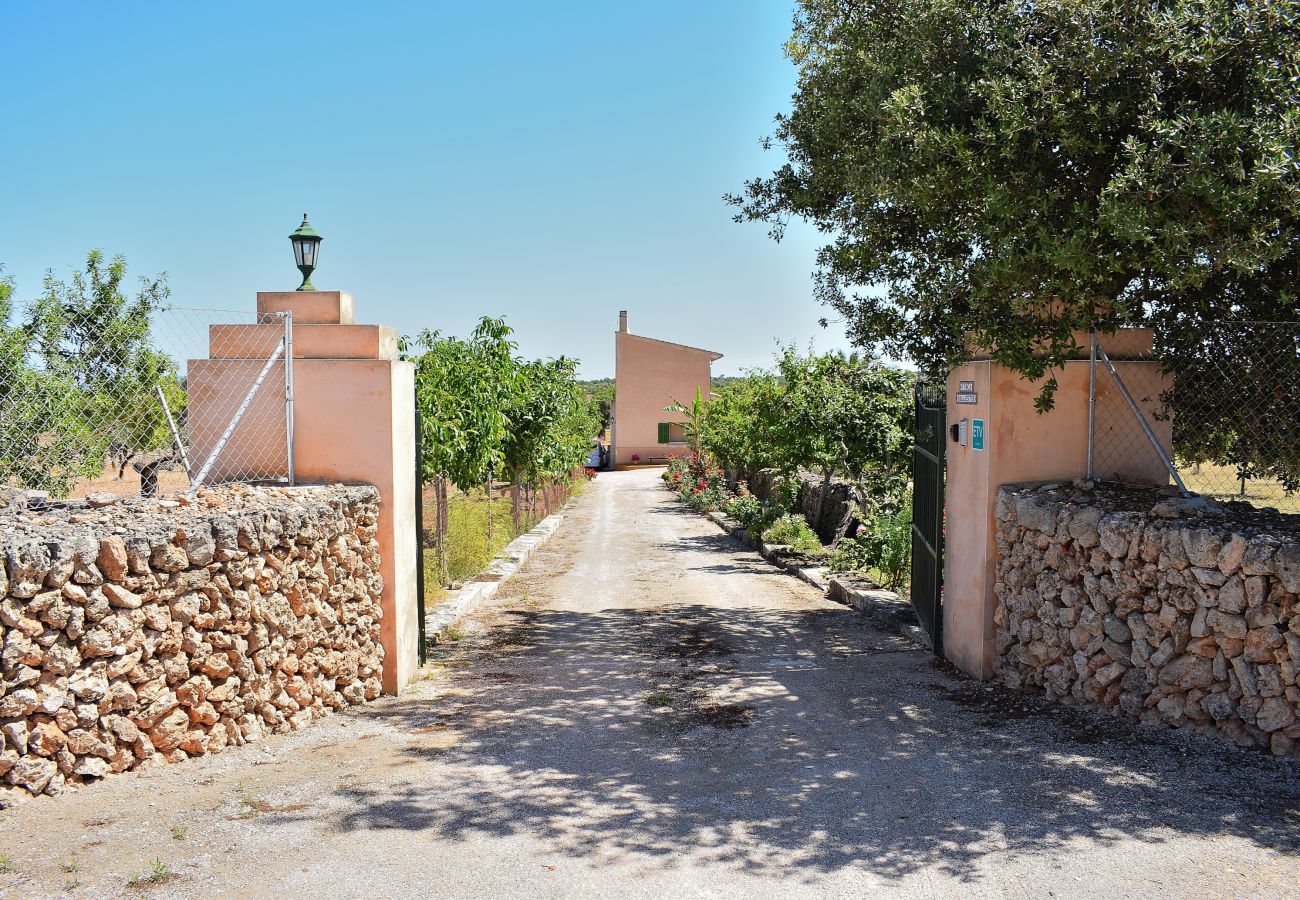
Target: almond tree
{"points": [[79, 377]]}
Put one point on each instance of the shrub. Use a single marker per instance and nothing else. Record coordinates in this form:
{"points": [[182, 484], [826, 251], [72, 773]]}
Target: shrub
{"points": [[882, 549], [794, 531], [698, 484], [745, 508]]}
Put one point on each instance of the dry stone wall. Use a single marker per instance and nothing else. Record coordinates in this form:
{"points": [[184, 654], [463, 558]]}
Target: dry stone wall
{"points": [[843, 501], [148, 631], [1155, 608]]}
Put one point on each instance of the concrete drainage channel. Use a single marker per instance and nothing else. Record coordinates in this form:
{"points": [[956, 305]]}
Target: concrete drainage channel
{"points": [[479, 589], [884, 607]]}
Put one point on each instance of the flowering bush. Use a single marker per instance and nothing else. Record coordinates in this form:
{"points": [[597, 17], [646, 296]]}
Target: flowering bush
{"points": [[698, 484], [744, 507]]}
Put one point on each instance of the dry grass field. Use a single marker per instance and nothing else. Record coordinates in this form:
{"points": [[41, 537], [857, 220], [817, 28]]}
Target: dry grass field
{"points": [[1222, 482]]}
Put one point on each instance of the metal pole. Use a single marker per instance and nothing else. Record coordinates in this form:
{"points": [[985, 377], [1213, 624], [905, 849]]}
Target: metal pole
{"points": [[176, 435], [239, 414], [1142, 420], [419, 533], [288, 388], [1092, 397]]}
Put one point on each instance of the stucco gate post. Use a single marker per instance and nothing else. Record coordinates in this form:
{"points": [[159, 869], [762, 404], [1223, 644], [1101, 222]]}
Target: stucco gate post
{"points": [[1002, 439], [354, 421]]}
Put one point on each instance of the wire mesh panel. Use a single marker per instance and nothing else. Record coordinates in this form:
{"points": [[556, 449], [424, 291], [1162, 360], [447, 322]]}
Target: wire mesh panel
{"points": [[237, 420], [103, 399], [1223, 400]]}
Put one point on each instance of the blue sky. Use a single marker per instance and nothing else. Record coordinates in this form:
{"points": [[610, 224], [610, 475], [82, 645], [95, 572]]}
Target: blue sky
{"points": [[552, 163]]}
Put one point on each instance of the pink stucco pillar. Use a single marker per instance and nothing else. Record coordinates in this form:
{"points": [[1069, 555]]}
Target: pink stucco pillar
{"points": [[354, 417], [1020, 444]]}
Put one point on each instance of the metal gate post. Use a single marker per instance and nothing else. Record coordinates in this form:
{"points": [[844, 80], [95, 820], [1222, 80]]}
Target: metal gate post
{"points": [[419, 533], [288, 390], [1146, 426], [1092, 397], [926, 590], [199, 479]]}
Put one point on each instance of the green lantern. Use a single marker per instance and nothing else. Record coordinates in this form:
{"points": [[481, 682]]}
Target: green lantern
{"points": [[306, 251]]}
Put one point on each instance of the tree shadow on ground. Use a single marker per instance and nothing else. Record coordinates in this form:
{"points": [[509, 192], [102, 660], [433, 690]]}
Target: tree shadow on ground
{"points": [[840, 747]]}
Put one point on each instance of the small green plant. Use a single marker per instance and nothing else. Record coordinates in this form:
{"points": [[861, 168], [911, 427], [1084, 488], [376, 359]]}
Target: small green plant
{"points": [[179, 833], [71, 866], [7, 866], [451, 633], [745, 508], [253, 806], [158, 873], [881, 550], [658, 699], [793, 531]]}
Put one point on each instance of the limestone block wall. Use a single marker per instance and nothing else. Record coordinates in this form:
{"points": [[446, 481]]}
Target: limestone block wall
{"points": [[843, 498], [149, 631], [1157, 609]]}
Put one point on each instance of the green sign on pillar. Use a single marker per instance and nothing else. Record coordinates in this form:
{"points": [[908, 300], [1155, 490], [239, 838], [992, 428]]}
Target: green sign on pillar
{"points": [[977, 434]]}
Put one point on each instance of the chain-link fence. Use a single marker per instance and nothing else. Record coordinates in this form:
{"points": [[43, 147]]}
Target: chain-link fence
{"points": [[1222, 407], [136, 400]]}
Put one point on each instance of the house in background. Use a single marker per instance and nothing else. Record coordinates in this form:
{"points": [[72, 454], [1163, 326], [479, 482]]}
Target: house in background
{"points": [[650, 374]]}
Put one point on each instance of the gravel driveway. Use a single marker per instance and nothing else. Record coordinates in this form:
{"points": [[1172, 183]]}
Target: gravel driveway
{"points": [[650, 710]]}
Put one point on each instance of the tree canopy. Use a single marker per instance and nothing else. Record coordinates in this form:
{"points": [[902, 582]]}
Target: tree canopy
{"points": [[836, 413], [79, 376], [1013, 172], [487, 413]]}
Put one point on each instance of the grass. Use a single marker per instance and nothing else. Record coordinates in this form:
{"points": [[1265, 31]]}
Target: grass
{"points": [[468, 549], [1222, 482], [158, 873], [179, 833], [7, 865], [659, 699], [451, 633]]}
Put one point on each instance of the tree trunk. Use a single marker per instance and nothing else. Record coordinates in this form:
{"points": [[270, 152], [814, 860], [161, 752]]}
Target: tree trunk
{"points": [[149, 479], [516, 511], [821, 498], [488, 486]]}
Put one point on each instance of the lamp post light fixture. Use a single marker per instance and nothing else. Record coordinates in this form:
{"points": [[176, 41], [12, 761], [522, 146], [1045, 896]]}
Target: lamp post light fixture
{"points": [[306, 251]]}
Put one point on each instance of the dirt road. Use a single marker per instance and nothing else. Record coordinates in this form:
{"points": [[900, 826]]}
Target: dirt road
{"points": [[649, 710]]}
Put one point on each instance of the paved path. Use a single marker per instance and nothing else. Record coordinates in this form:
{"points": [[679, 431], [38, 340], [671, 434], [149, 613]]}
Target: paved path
{"points": [[649, 710]]}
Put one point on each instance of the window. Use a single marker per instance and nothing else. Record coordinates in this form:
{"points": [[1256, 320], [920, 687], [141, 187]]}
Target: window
{"points": [[672, 433]]}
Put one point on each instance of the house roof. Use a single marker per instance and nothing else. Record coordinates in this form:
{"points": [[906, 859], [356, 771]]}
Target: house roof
{"points": [[712, 355]]}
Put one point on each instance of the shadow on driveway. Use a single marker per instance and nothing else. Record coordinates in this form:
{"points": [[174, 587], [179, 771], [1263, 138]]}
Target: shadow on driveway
{"points": [[855, 751]]}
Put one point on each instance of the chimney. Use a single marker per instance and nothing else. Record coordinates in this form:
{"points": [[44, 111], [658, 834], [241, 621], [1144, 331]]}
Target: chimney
{"points": [[622, 321]]}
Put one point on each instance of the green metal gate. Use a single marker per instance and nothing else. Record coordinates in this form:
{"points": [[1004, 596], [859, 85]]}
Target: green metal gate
{"points": [[927, 512]]}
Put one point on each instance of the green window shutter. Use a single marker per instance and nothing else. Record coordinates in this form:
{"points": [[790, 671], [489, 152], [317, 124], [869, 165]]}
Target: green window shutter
{"points": [[663, 432]]}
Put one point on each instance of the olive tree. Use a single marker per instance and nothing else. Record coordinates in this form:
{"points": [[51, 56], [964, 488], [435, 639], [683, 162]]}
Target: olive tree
{"points": [[1006, 174]]}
